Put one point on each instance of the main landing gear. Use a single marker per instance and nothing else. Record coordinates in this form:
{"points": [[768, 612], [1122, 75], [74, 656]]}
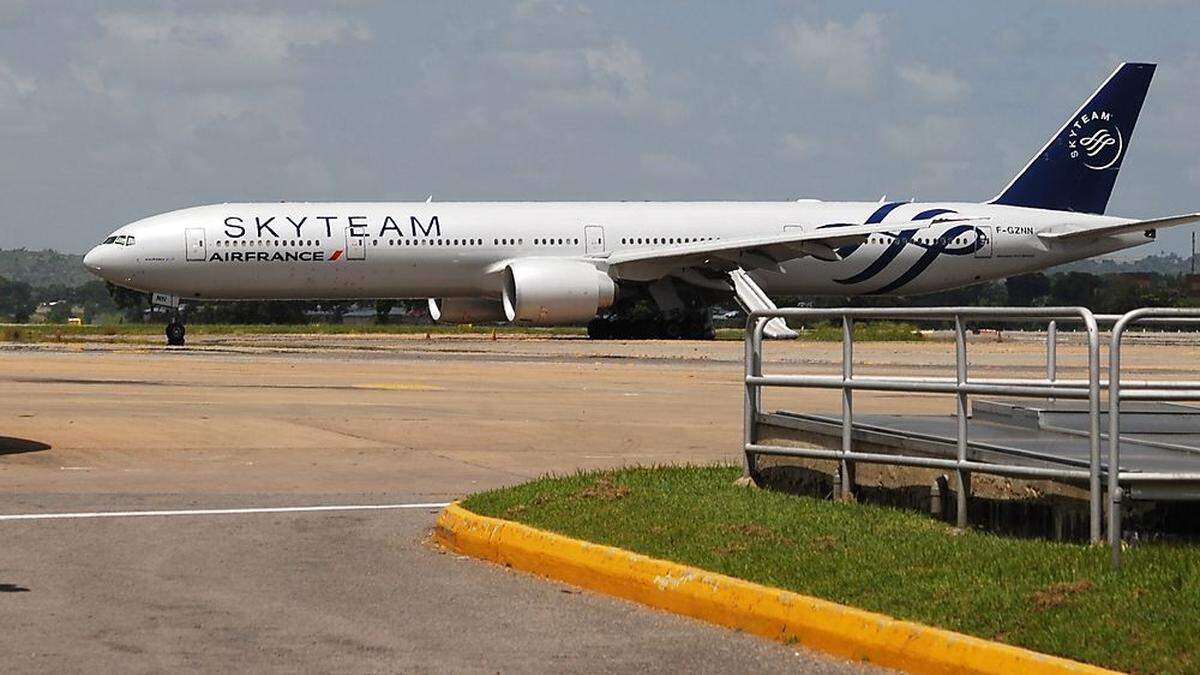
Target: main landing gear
{"points": [[176, 332], [686, 325]]}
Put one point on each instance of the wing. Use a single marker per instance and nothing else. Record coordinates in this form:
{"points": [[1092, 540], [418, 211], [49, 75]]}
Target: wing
{"points": [[763, 252], [1121, 228]]}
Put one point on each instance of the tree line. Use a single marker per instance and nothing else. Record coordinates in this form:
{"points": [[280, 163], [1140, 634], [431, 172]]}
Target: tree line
{"points": [[100, 300], [1102, 293]]}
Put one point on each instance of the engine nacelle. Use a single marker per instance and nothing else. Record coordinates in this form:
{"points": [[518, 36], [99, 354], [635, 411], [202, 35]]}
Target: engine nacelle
{"points": [[465, 310], [555, 292]]}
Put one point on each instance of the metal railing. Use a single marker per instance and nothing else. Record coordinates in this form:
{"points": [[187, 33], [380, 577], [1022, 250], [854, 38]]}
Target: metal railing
{"points": [[1178, 390], [1119, 388], [962, 386]]}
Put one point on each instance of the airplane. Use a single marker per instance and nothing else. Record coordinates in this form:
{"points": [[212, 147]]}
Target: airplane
{"points": [[554, 263]]}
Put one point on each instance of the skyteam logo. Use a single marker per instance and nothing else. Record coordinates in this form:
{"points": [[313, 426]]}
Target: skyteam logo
{"points": [[1095, 140], [959, 240]]}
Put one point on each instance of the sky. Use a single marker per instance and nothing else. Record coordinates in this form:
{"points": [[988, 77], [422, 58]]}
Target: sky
{"points": [[112, 111]]}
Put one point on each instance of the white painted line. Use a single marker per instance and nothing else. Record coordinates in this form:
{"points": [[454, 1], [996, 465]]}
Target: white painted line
{"points": [[219, 512]]}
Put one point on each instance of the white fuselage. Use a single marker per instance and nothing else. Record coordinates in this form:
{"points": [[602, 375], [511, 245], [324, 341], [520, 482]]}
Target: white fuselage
{"points": [[417, 250]]}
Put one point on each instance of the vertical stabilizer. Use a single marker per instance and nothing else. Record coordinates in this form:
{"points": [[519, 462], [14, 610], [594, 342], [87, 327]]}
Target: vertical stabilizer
{"points": [[1077, 168]]}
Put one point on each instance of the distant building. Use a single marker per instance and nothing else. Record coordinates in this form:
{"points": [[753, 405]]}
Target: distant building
{"points": [[58, 311], [1140, 280], [1191, 285]]}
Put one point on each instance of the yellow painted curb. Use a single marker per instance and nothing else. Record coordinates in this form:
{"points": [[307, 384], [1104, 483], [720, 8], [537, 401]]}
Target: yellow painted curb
{"points": [[770, 612]]}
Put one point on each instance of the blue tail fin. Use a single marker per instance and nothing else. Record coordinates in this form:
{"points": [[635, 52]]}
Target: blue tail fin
{"points": [[1076, 169]]}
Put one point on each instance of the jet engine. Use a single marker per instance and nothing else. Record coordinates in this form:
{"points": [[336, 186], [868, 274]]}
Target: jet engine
{"points": [[465, 310], [551, 292]]}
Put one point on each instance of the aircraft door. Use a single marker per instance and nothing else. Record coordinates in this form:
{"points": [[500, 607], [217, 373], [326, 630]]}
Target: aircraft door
{"points": [[593, 239], [356, 247], [983, 239], [196, 250]]}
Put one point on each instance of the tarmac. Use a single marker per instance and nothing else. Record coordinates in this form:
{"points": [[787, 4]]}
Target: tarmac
{"points": [[303, 421]]}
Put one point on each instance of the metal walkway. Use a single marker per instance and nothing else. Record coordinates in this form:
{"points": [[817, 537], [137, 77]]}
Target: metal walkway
{"points": [[1155, 438], [1053, 430]]}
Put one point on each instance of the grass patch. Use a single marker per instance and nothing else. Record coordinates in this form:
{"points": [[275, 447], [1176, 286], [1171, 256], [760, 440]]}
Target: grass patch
{"points": [[67, 333], [879, 331], [1051, 597], [826, 331], [866, 331]]}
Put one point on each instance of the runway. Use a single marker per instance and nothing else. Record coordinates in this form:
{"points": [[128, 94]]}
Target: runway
{"points": [[239, 448], [220, 444]]}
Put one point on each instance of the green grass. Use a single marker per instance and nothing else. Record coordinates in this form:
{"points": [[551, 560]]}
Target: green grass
{"points": [[825, 331], [66, 333], [882, 331], [1051, 597]]}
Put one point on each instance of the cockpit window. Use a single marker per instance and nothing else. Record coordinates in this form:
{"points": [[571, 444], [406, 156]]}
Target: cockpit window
{"points": [[121, 241], [110, 240], [129, 241]]}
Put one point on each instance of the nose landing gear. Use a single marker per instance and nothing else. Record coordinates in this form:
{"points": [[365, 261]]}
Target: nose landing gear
{"points": [[170, 304]]}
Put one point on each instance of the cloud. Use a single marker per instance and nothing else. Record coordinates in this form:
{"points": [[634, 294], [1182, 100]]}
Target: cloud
{"points": [[15, 90], [937, 86], [619, 65], [795, 146], [13, 86], [605, 79], [216, 49], [843, 56]]}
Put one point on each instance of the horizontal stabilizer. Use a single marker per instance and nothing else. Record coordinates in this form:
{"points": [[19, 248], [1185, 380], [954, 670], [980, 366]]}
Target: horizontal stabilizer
{"points": [[1122, 228]]}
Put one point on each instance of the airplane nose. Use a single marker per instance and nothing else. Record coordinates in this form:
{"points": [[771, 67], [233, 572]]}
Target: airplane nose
{"points": [[91, 261]]}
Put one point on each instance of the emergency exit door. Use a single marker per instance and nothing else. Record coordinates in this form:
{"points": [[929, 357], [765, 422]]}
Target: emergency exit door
{"points": [[593, 239], [356, 247], [196, 249], [983, 241]]}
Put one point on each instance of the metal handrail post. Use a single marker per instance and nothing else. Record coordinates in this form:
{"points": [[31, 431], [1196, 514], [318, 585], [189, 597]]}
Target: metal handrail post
{"points": [[752, 395], [847, 467], [1095, 505], [1115, 493], [960, 360], [1052, 352], [1114, 437]]}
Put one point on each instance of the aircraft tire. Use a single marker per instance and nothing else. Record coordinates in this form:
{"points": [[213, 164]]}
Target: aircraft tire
{"points": [[176, 333], [600, 329]]}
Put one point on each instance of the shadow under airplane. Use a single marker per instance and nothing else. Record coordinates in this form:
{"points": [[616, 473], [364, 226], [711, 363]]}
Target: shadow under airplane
{"points": [[16, 446]]}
